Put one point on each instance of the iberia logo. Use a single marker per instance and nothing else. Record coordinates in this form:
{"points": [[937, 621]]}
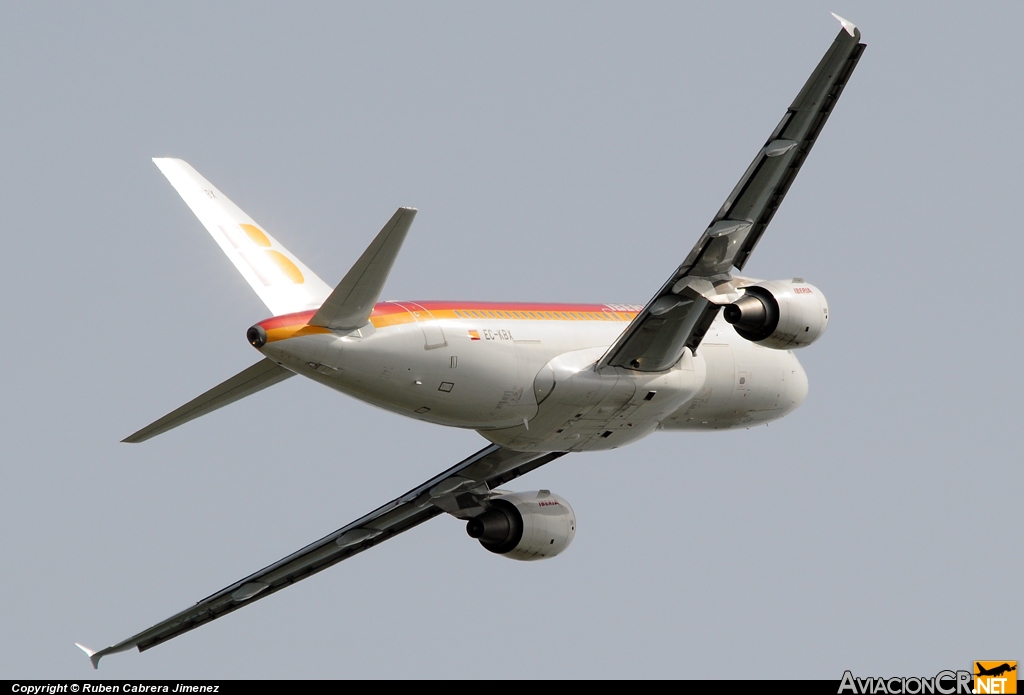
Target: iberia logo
{"points": [[995, 677], [272, 267], [474, 335]]}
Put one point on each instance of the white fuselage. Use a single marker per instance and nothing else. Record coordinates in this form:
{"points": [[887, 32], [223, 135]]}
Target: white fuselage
{"points": [[524, 376]]}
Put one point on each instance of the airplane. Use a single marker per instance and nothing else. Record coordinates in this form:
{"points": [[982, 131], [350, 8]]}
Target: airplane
{"points": [[711, 350], [994, 671]]}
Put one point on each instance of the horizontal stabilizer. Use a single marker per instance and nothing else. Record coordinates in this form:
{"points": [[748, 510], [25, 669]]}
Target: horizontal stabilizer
{"points": [[280, 279], [350, 304], [256, 378]]}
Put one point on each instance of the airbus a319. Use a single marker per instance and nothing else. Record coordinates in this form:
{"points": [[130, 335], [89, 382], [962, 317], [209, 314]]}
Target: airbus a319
{"points": [[711, 350]]}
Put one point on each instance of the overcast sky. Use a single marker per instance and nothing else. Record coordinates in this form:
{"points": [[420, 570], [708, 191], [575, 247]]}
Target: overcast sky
{"points": [[556, 152]]}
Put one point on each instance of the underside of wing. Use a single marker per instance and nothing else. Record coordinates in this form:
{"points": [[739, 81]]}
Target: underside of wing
{"points": [[463, 491], [682, 311]]}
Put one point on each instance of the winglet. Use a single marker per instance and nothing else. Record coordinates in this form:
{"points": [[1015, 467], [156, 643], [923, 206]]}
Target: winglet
{"points": [[94, 657], [850, 27]]}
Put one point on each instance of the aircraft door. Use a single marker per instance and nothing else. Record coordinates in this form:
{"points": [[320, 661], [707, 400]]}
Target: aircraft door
{"points": [[433, 336]]}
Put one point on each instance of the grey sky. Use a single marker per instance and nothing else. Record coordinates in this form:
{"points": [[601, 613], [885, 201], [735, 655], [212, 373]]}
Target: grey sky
{"points": [[568, 152]]}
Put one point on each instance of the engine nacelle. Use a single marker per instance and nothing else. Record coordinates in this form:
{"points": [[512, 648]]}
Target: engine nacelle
{"points": [[525, 525], [780, 314]]}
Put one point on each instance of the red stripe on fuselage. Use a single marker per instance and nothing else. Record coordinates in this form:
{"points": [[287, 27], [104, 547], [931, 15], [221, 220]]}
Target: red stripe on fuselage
{"points": [[284, 320], [301, 318], [523, 306]]}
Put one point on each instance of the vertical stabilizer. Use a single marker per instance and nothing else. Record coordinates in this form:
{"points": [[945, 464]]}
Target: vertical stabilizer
{"points": [[281, 280]]}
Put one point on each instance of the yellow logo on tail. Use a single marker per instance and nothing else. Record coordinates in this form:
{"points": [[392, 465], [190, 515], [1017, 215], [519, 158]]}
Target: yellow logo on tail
{"points": [[271, 267]]}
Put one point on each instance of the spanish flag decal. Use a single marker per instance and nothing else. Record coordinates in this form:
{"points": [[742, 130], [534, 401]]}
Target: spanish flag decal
{"points": [[474, 335]]}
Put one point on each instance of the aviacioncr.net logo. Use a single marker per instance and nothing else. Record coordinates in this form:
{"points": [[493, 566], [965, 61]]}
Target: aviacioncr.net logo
{"points": [[995, 677], [943, 683]]}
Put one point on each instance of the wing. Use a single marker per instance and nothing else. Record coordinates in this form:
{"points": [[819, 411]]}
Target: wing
{"points": [[679, 315], [462, 491]]}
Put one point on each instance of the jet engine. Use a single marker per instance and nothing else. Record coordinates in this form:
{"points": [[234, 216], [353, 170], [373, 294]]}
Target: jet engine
{"points": [[525, 525], [780, 314]]}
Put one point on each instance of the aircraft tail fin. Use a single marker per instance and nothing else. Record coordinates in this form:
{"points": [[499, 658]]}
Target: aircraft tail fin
{"points": [[351, 302], [247, 382], [280, 279]]}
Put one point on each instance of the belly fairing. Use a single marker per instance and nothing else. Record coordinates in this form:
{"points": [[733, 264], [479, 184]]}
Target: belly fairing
{"points": [[581, 409]]}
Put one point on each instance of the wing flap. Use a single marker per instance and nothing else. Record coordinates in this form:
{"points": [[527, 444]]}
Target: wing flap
{"points": [[247, 382], [475, 477]]}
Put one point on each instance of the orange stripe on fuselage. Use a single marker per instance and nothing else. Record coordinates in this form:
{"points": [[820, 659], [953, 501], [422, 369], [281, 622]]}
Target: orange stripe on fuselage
{"points": [[393, 314], [286, 332]]}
